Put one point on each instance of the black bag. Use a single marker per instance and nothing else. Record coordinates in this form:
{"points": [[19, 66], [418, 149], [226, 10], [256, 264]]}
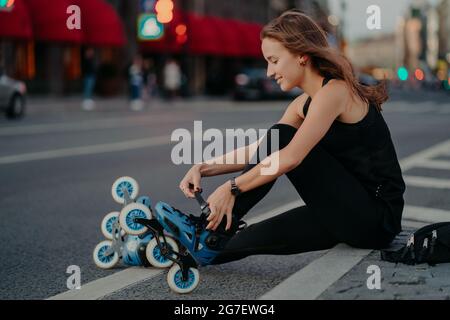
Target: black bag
{"points": [[429, 244]]}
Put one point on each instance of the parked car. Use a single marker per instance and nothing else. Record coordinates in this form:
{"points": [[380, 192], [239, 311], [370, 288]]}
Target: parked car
{"points": [[253, 84], [12, 96], [367, 79]]}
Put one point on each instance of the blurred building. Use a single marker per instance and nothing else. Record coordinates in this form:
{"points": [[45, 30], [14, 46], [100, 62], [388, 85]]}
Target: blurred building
{"points": [[211, 39], [421, 31], [444, 39], [42, 43], [377, 52]]}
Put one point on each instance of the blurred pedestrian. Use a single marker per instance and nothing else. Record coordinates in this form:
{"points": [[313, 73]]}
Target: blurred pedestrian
{"points": [[149, 80], [89, 71], [135, 74], [172, 79]]}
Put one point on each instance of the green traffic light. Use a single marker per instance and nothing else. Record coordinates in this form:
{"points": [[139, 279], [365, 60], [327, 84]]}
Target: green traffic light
{"points": [[149, 28], [402, 73]]}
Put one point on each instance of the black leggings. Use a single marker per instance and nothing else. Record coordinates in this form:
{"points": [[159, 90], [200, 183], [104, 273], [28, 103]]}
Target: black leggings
{"points": [[338, 210]]}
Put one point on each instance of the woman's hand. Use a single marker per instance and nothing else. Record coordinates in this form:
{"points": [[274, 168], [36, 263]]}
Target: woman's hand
{"points": [[221, 203], [192, 177]]}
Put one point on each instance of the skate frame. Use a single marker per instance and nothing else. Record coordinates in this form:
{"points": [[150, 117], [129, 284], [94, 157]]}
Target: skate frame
{"points": [[117, 241], [183, 259]]}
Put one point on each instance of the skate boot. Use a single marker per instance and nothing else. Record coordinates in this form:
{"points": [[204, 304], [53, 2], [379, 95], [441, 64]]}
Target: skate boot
{"points": [[204, 245]]}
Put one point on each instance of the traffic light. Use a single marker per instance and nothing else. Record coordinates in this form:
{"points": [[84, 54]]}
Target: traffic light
{"points": [[180, 30], [402, 73], [164, 11], [149, 28], [419, 74]]}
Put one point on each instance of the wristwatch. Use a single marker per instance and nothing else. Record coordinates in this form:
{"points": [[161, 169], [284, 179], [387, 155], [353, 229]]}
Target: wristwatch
{"points": [[235, 191]]}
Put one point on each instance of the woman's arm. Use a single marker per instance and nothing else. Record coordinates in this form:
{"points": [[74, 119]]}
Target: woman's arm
{"points": [[327, 105], [227, 163]]}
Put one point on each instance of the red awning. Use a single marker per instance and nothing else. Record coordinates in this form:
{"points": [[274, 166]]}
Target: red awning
{"points": [[203, 38], [16, 22], [249, 33], [228, 32], [209, 35], [100, 24], [49, 21]]}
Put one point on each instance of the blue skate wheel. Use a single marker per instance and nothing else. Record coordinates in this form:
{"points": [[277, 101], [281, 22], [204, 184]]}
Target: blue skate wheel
{"points": [[176, 283], [130, 252], [145, 200], [101, 257], [107, 225], [121, 184], [129, 213], [154, 255]]}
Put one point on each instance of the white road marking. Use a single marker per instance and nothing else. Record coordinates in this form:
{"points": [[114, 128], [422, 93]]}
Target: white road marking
{"points": [[424, 155], [426, 182], [434, 164], [86, 150], [104, 286], [423, 214], [99, 148], [76, 126], [311, 281]]}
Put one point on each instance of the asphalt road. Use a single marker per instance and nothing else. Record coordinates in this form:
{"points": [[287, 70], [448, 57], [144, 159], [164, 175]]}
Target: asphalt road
{"points": [[57, 166]]}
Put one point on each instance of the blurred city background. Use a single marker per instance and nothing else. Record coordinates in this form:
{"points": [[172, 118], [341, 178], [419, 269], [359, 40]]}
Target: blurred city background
{"points": [[206, 48]]}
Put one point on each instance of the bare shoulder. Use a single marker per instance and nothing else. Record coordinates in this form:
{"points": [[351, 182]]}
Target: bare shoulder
{"points": [[294, 114], [336, 93], [335, 90]]}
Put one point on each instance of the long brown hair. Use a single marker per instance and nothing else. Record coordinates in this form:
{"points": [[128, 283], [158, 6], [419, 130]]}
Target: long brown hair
{"points": [[302, 36]]}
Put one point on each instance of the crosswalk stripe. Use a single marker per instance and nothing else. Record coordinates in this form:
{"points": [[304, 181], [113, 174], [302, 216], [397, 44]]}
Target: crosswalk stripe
{"points": [[424, 155], [311, 281], [106, 285], [426, 182], [434, 164], [424, 214]]}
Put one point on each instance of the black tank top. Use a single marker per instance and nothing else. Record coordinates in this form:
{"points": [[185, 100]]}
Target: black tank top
{"points": [[366, 150]]}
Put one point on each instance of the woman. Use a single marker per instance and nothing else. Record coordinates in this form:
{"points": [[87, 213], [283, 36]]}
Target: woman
{"points": [[334, 146]]}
